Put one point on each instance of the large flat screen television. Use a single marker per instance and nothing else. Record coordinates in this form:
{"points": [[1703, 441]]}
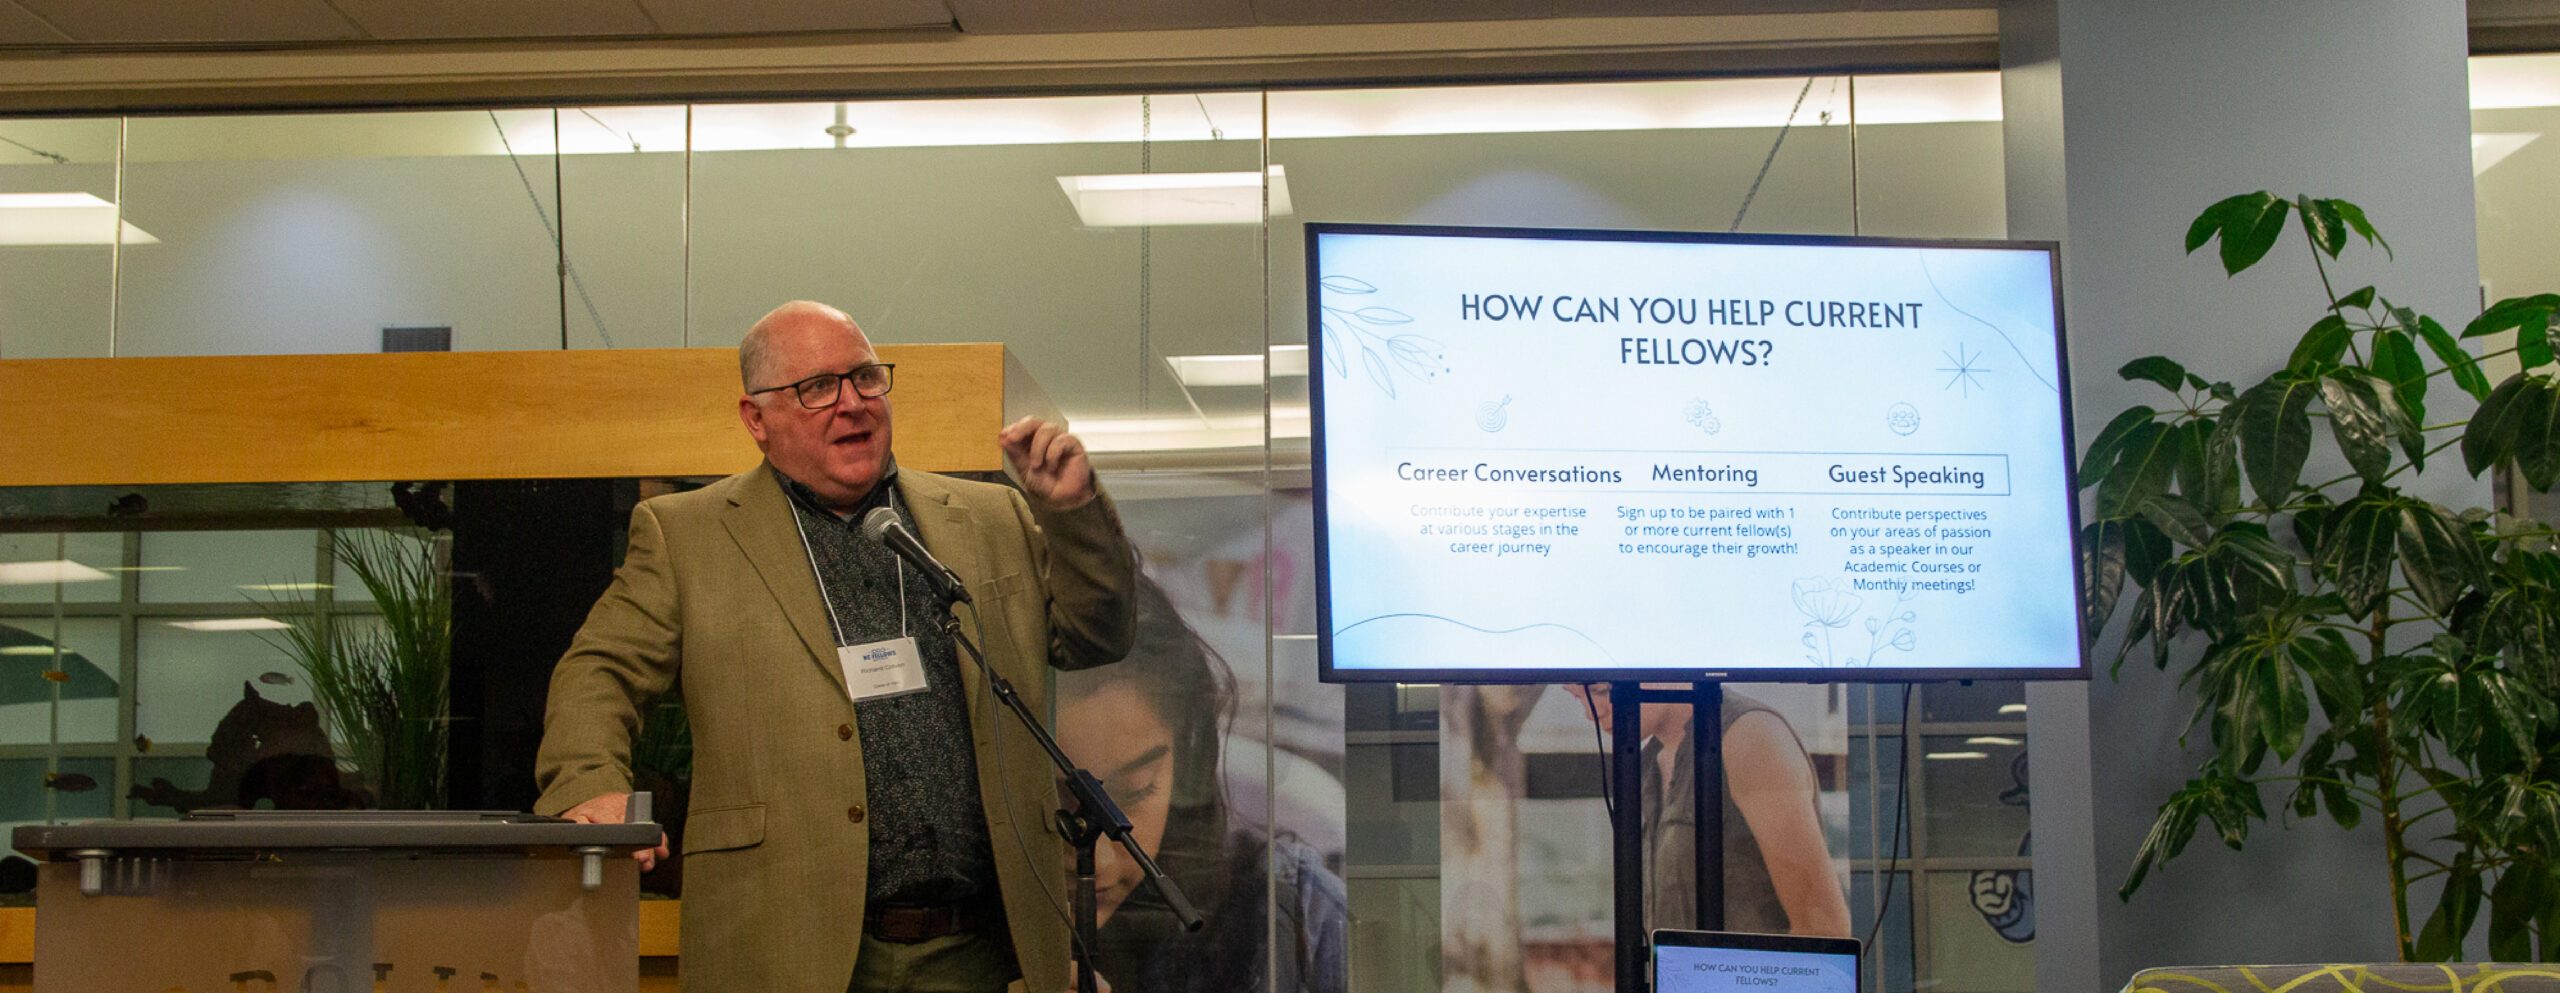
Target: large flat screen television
{"points": [[1583, 456]]}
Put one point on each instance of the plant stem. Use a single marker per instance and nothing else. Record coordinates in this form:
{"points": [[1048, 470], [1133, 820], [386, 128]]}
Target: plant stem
{"points": [[2394, 844]]}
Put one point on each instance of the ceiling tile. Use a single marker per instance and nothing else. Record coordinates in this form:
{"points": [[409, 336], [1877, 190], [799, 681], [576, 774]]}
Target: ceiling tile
{"points": [[18, 27], [723, 17], [1051, 16], [469, 19], [194, 21]]}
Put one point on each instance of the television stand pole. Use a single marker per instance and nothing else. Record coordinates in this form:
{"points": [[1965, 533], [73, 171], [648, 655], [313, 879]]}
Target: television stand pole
{"points": [[1627, 776]]}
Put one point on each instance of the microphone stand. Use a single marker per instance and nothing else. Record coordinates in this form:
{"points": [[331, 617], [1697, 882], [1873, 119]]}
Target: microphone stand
{"points": [[1093, 817]]}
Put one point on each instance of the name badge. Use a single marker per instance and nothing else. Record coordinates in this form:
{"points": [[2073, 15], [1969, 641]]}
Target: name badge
{"points": [[881, 669]]}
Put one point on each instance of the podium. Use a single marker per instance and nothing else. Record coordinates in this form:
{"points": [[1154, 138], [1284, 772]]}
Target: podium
{"points": [[331, 901]]}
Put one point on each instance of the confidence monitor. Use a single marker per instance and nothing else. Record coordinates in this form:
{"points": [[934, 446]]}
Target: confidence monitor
{"points": [[1583, 456], [1732, 962]]}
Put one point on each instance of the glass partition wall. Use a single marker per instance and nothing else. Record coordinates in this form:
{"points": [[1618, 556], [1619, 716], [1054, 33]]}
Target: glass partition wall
{"points": [[1141, 254]]}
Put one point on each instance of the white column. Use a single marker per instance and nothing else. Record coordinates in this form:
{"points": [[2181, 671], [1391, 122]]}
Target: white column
{"points": [[2125, 119]]}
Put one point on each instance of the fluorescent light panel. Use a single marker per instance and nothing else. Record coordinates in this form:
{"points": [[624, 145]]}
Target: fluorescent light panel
{"points": [[1994, 740], [28, 650], [2013, 708], [233, 624], [1945, 756], [1159, 434], [1166, 199], [63, 219], [43, 573], [1237, 370]]}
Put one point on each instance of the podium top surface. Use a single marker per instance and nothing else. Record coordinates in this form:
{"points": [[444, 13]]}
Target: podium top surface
{"points": [[235, 833]]}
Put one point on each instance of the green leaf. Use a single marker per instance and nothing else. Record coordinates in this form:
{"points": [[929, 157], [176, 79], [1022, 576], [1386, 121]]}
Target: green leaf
{"points": [[2395, 361], [2438, 556], [2324, 655], [2282, 727], [2275, 436], [2358, 298], [2359, 552], [2209, 465], [2354, 216], [2177, 518], [2146, 550], [2102, 570], [2247, 234], [2149, 459], [2533, 339], [2511, 313], [2355, 417], [2490, 438], [2322, 345], [2440, 940], [2158, 369], [2514, 903], [2465, 369], [2328, 230], [2231, 802], [2110, 441]]}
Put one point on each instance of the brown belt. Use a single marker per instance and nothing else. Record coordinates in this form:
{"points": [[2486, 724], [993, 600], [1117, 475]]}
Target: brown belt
{"points": [[908, 925]]}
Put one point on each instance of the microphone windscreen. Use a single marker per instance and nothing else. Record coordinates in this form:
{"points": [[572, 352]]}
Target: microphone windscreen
{"points": [[877, 523]]}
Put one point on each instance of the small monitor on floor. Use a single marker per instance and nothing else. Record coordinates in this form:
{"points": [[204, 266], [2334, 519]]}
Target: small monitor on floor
{"points": [[1733, 962]]}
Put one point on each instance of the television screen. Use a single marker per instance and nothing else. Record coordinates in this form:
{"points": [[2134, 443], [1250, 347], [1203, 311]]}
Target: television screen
{"points": [[1569, 456]]}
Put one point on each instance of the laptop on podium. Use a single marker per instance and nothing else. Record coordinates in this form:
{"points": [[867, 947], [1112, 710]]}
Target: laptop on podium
{"points": [[1735, 962]]}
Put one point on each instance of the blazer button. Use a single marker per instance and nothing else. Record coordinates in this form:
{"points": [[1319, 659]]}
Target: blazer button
{"points": [[853, 813], [844, 732]]}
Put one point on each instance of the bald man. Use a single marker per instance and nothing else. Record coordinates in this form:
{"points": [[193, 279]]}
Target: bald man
{"points": [[861, 816]]}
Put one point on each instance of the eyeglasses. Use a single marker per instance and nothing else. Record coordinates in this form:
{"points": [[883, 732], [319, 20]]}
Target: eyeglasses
{"points": [[819, 392]]}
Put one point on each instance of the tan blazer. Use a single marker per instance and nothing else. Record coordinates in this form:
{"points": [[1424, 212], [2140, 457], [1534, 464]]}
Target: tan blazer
{"points": [[715, 599]]}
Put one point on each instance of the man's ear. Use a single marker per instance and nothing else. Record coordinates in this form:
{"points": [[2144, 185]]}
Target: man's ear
{"points": [[751, 414]]}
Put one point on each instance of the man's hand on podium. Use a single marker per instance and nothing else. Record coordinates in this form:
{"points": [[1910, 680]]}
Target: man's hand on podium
{"points": [[613, 808]]}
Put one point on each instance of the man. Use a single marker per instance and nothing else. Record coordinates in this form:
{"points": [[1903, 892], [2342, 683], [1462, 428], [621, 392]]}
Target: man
{"points": [[847, 831], [1777, 868]]}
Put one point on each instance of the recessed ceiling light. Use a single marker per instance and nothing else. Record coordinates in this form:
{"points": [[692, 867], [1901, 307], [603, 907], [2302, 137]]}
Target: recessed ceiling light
{"points": [[2013, 708], [63, 219], [1994, 740], [1165, 199], [233, 624], [1959, 755], [27, 650], [40, 573]]}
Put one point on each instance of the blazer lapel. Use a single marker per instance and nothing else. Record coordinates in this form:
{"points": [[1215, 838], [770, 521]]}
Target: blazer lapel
{"points": [[761, 521], [947, 529]]}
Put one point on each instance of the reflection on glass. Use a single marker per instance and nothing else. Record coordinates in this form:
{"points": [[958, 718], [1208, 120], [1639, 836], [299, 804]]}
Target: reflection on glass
{"points": [[61, 690], [298, 233], [621, 216], [1979, 700], [251, 569], [57, 264], [80, 567], [1981, 925], [1152, 727], [1977, 790], [31, 792], [190, 680]]}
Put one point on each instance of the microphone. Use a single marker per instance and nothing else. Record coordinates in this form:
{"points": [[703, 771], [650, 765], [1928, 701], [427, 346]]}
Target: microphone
{"points": [[882, 526]]}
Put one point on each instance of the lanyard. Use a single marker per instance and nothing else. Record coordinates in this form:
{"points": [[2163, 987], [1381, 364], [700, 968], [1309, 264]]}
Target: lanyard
{"points": [[821, 576]]}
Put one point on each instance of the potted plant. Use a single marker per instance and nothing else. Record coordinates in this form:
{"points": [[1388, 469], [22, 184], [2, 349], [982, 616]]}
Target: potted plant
{"points": [[385, 691], [2366, 653]]}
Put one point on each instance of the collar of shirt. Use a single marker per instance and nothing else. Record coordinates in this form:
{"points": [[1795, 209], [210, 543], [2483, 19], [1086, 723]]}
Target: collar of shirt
{"points": [[881, 494]]}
